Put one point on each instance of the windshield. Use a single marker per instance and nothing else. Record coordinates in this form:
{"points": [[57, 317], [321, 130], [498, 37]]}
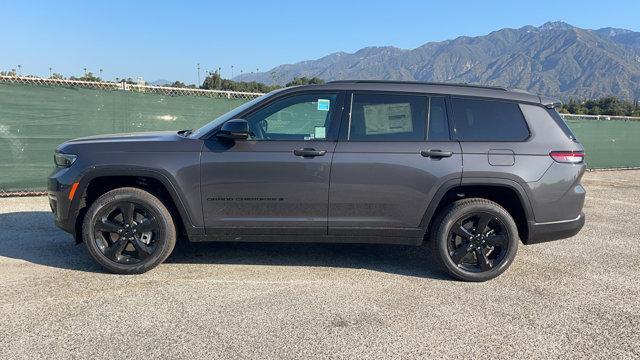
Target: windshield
{"points": [[229, 115]]}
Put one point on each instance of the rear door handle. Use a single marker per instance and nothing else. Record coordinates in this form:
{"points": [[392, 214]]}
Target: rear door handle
{"points": [[306, 152], [436, 154]]}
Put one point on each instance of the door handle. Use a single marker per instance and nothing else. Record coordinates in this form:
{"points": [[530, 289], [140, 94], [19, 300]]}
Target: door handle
{"points": [[436, 154], [307, 152]]}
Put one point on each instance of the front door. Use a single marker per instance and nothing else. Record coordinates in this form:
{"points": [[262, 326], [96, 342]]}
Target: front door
{"points": [[277, 181], [394, 153]]}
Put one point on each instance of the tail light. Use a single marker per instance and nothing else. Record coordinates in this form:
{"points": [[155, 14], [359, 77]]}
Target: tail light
{"points": [[568, 157]]}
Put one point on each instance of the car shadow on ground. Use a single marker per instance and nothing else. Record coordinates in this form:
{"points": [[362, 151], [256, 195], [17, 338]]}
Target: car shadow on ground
{"points": [[31, 236]]}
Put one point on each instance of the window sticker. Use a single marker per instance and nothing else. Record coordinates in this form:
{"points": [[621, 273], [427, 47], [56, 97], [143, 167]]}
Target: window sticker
{"points": [[387, 118], [320, 132], [323, 104]]}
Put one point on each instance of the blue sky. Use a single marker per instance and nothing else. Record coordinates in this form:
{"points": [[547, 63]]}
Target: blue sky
{"points": [[166, 39]]}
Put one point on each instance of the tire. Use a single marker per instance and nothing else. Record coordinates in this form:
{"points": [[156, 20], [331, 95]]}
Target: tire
{"points": [[128, 231], [457, 244]]}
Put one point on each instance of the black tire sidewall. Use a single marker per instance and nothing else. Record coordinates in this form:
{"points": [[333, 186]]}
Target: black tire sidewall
{"points": [[166, 241], [464, 208]]}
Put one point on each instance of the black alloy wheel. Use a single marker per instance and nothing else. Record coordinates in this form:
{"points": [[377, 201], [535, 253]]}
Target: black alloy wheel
{"points": [[126, 232], [474, 239], [478, 242]]}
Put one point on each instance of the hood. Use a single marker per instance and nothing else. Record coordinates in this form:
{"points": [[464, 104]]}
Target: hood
{"points": [[161, 141], [128, 137]]}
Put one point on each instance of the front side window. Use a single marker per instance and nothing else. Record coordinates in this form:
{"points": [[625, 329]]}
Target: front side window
{"points": [[488, 120], [230, 115], [297, 117], [387, 117]]}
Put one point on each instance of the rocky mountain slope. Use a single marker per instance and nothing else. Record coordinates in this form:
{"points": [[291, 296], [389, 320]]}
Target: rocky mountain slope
{"points": [[555, 59]]}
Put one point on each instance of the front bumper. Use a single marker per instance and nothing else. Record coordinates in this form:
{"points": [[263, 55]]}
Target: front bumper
{"points": [[543, 232], [58, 194]]}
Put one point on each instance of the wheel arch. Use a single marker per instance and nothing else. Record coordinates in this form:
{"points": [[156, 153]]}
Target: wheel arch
{"points": [[97, 181], [507, 193]]}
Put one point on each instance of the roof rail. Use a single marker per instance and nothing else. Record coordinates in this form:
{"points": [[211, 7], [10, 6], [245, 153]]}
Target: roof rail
{"points": [[416, 82]]}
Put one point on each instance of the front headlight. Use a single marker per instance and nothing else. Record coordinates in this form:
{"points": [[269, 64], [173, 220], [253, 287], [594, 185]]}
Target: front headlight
{"points": [[64, 160]]}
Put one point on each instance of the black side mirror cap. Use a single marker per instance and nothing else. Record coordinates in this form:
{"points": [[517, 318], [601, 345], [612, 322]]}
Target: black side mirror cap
{"points": [[237, 129]]}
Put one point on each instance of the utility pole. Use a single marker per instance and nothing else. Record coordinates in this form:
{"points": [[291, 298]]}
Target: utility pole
{"points": [[50, 72], [198, 67], [100, 73], [19, 70], [231, 72]]}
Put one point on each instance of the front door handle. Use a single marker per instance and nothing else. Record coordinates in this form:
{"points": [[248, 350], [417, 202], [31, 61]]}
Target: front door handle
{"points": [[307, 152], [436, 154]]}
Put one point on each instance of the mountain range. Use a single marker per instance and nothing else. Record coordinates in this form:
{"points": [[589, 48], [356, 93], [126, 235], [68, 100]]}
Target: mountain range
{"points": [[555, 59]]}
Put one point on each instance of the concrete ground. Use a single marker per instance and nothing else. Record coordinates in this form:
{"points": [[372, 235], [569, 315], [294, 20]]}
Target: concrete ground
{"points": [[577, 298]]}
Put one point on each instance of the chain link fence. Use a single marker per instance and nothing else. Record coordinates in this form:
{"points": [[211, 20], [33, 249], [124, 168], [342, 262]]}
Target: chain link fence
{"points": [[38, 114], [139, 88]]}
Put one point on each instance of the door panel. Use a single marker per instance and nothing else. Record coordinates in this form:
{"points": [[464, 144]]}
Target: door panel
{"points": [[276, 182], [386, 186], [384, 173], [259, 185]]}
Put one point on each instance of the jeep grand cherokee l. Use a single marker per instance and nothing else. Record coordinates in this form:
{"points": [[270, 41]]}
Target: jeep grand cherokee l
{"points": [[470, 171]]}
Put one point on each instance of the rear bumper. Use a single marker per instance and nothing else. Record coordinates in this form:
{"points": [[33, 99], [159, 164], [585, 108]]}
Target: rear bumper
{"points": [[543, 232]]}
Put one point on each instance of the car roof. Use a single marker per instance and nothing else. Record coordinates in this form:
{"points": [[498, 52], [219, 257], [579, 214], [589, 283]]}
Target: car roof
{"points": [[491, 92]]}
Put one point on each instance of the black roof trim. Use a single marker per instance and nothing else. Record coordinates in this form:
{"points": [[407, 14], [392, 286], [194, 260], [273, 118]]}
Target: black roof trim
{"points": [[417, 83]]}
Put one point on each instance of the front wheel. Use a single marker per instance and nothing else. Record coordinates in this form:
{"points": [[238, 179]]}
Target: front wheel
{"points": [[128, 231], [474, 239]]}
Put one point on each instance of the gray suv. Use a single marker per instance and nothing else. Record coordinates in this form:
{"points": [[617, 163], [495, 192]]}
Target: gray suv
{"points": [[470, 171]]}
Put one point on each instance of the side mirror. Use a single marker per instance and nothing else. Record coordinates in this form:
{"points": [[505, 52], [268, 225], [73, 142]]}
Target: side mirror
{"points": [[237, 129]]}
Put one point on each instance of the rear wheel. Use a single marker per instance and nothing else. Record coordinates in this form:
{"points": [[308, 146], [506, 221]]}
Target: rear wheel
{"points": [[474, 239], [128, 231]]}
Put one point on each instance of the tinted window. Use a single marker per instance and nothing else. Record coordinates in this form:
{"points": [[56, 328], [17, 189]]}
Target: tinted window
{"points": [[298, 117], [485, 120], [438, 127], [562, 124], [388, 117]]}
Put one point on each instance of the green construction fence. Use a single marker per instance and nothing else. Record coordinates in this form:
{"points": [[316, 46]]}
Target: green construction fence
{"points": [[35, 118]]}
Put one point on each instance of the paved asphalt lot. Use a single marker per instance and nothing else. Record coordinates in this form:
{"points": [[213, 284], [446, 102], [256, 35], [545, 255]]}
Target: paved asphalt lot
{"points": [[577, 298]]}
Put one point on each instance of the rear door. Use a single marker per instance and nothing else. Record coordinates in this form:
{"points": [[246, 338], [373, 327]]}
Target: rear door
{"points": [[393, 154]]}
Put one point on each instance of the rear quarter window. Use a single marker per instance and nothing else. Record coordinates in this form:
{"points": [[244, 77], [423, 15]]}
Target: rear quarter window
{"points": [[562, 124], [488, 120]]}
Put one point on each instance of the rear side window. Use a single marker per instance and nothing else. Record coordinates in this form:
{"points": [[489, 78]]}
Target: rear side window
{"points": [[438, 126], [487, 120], [388, 117]]}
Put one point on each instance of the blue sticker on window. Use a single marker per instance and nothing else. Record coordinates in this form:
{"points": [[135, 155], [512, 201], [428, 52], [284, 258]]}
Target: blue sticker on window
{"points": [[323, 104]]}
